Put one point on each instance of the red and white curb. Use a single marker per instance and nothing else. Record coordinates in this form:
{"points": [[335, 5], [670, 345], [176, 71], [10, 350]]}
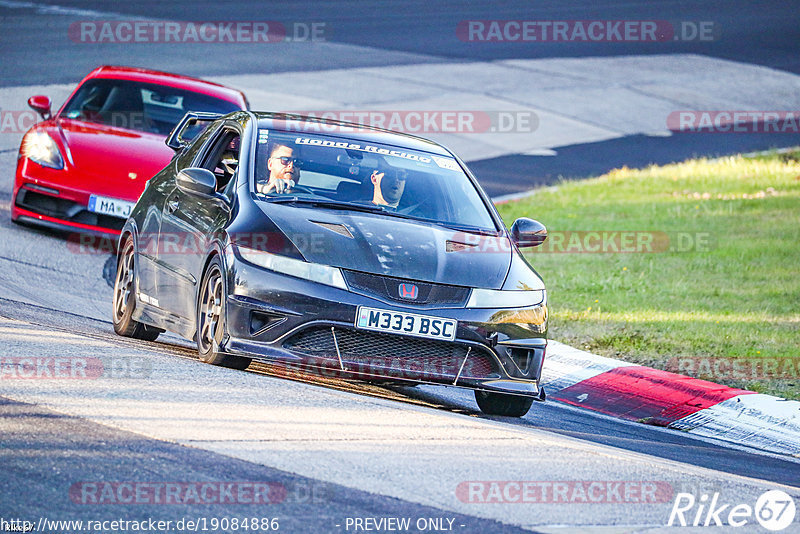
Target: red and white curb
{"points": [[650, 396]]}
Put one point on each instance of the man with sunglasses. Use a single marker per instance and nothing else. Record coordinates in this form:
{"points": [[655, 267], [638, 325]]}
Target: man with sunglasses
{"points": [[283, 171], [388, 186]]}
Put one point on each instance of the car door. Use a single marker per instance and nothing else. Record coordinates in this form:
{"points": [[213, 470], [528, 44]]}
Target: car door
{"points": [[157, 190], [188, 221], [155, 194]]}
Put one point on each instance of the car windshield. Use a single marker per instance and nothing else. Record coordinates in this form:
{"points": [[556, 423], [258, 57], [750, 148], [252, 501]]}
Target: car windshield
{"points": [[138, 106], [345, 174]]}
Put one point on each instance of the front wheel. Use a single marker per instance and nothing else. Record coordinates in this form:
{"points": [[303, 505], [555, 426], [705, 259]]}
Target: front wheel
{"points": [[211, 320], [503, 404], [125, 300]]}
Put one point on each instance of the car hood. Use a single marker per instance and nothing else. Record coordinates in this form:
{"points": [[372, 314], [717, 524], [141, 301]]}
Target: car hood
{"points": [[392, 246], [111, 161]]}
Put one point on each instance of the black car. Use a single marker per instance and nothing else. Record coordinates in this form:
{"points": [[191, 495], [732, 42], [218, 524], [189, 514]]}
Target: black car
{"points": [[332, 247]]}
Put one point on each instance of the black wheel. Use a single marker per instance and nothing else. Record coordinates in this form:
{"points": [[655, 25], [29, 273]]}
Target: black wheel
{"points": [[125, 301], [211, 320], [502, 403]]}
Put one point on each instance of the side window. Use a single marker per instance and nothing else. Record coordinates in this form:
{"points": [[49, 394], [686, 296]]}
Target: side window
{"points": [[223, 157], [188, 155], [192, 128]]}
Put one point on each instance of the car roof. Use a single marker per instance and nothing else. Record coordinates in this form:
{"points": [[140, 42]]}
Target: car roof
{"points": [[170, 80], [302, 125]]}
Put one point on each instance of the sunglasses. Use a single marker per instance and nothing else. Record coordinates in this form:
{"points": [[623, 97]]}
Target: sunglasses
{"points": [[397, 174], [286, 160]]}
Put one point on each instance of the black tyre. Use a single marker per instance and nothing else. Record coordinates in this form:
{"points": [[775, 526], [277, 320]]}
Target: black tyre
{"points": [[211, 319], [125, 299], [503, 404]]}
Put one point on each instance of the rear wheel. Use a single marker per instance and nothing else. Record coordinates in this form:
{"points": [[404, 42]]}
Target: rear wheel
{"points": [[211, 320], [503, 404], [125, 300]]}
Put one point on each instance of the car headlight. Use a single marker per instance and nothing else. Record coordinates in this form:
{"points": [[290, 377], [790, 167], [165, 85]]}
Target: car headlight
{"points": [[315, 272], [39, 147], [491, 298]]}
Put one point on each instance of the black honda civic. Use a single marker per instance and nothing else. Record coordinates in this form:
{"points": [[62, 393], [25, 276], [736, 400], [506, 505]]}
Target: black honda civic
{"points": [[331, 247]]}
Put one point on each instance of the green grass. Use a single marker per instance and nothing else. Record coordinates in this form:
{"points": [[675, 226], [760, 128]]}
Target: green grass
{"points": [[736, 296]]}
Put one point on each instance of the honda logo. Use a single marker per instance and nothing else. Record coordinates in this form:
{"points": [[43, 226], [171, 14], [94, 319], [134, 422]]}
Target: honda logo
{"points": [[407, 291]]}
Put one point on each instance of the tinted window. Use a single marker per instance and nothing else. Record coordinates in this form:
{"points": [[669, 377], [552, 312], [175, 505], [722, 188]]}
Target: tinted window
{"points": [[187, 157], [138, 106], [405, 182], [223, 158]]}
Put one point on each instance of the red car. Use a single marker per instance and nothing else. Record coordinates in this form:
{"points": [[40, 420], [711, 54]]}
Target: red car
{"points": [[85, 167]]}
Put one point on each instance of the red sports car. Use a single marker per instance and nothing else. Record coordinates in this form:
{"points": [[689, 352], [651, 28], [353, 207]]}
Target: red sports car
{"points": [[85, 167]]}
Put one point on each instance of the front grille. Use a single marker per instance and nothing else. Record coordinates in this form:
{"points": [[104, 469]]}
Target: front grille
{"points": [[46, 204], [62, 208], [392, 355], [386, 287]]}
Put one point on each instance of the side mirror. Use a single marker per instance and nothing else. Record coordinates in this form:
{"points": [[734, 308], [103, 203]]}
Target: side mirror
{"points": [[528, 233], [197, 181], [40, 104]]}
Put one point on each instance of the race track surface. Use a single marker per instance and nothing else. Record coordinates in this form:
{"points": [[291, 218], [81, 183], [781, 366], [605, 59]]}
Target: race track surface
{"points": [[329, 451]]}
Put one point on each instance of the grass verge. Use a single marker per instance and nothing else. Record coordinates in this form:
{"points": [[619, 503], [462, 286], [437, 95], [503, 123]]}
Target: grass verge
{"points": [[691, 267]]}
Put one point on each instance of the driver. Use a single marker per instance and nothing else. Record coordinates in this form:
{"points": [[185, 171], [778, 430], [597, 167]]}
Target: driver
{"points": [[388, 185], [283, 172]]}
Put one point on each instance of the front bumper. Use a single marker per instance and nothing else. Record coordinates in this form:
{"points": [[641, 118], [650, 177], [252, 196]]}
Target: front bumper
{"points": [[310, 327], [45, 201], [34, 207]]}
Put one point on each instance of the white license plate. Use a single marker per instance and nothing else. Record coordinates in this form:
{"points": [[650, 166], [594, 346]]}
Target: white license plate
{"points": [[409, 324], [110, 206]]}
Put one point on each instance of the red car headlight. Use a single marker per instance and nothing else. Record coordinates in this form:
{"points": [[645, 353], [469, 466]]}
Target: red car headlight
{"points": [[38, 146]]}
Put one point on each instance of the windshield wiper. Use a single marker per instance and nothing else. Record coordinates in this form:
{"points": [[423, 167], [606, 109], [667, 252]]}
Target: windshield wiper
{"points": [[326, 203], [464, 228]]}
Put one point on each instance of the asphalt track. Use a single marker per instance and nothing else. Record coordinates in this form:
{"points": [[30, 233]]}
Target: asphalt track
{"points": [[66, 444], [328, 442], [51, 439], [764, 33]]}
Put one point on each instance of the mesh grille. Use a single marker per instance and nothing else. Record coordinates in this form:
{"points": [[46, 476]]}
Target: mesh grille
{"points": [[392, 355], [65, 209], [388, 287], [314, 342]]}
